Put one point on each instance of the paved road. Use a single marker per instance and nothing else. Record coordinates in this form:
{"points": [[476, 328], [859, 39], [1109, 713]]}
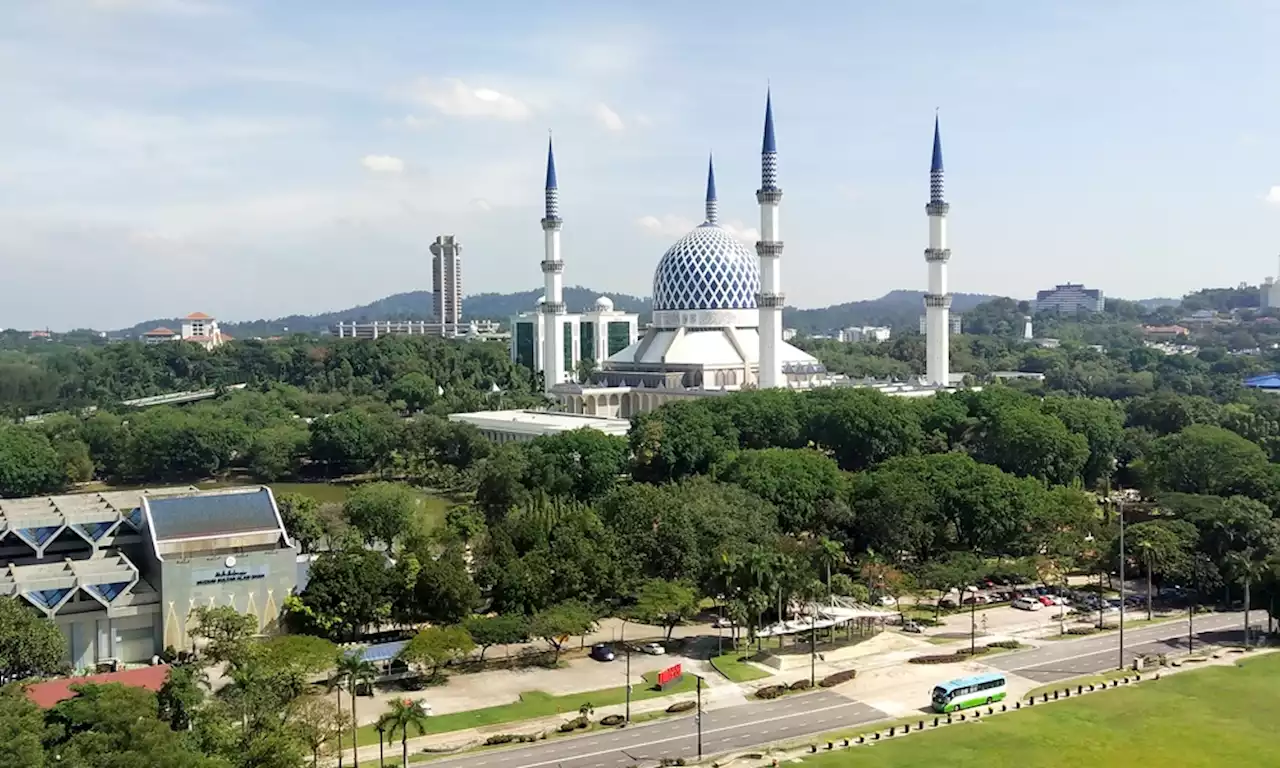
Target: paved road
{"points": [[757, 723], [725, 729], [1062, 659]]}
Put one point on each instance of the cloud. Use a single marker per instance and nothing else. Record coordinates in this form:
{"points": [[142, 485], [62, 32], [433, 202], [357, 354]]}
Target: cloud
{"points": [[383, 164], [456, 99], [676, 226], [1273, 195], [480, 204], [608, 118]]}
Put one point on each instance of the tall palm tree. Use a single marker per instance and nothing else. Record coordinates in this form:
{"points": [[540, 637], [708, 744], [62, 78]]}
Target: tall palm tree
{"points": [[1242, 566], [353, 670], [830, 554], [404, 715]]}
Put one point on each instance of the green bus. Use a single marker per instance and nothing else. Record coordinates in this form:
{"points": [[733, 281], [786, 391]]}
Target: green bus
{"points": [[968, 692]]}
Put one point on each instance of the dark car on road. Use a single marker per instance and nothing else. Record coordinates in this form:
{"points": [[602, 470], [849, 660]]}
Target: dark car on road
{"points": [[601, 652]]}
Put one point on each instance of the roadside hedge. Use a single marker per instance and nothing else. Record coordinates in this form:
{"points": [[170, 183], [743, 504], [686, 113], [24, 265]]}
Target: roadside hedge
{"points": [[682, 706], [838, 678], [771, 691]]}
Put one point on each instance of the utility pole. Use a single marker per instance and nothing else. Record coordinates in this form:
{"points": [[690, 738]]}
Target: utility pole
{"points": [[1120, 507], [698, 718]]}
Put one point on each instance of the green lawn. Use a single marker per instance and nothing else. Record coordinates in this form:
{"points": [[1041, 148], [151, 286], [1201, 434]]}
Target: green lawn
{"points": [[1219, 716], [534, 704], [733, 665]]}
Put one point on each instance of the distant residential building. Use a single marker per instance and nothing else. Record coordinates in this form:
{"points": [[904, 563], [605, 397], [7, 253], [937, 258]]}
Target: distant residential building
{"points": [[1165, 332], [788, 334], [197, 328], [1203, 317], [45, 335], [1171, 348], [1069, 299], [375, 329], [1047, 343], [955, 323], [446, 283], [160, 335], [202, 329], [1269, 293], [875, 333]]}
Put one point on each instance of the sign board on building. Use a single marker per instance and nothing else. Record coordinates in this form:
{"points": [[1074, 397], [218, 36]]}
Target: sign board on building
{"points": [[670, 676], [229, 575]]}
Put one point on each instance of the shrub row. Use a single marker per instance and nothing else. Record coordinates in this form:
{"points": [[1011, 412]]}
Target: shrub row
{"points": [[574, 724], [771, 691], [612, 720], [1011, 644], [800, 685], [682, 706], [1082, 630], [838, 678], [511, 738]]}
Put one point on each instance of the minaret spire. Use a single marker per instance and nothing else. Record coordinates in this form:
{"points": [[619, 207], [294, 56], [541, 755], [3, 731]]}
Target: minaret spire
{"points": [[552, 190], [713, 213], [937, 302], [769, 249], [553, 310]]}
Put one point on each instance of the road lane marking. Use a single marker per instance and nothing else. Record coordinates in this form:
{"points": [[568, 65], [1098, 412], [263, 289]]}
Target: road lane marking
{"points": [[647, 744]]}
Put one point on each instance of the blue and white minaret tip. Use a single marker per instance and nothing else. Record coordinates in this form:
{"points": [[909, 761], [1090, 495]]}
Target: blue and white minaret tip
{"points": [[769, 149], [712, 206], [552, 192], [936, 166], [770, 144], [551, 166]]}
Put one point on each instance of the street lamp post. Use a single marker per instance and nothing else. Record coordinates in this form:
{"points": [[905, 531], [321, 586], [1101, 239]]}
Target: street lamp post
{"points": [[973, 620], [813, 644], [627, 650], [698, 718], [1120, 508], [381, 758]]}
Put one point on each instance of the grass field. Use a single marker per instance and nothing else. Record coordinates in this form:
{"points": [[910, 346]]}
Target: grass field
{"points": [[733, 666], [534, 704], [1218, 716]]}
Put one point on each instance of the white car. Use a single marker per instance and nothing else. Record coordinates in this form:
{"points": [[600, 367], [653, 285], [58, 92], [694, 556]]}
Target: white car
{"points": [[887, 600], [653, 649], [724, 622], [1027, 604]]}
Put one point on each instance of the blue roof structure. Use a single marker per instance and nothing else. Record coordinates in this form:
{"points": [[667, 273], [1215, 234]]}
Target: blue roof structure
{"points": [[551, 166], [221, 514], [1265, 381], [379, 652], [770, 144], [936, 166]]}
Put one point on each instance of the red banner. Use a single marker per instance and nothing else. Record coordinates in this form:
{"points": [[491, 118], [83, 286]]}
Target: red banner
{"points": [[669, 674]]}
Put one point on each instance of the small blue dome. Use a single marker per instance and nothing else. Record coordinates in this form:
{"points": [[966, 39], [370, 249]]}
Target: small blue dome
{"points": [[706, 269]]}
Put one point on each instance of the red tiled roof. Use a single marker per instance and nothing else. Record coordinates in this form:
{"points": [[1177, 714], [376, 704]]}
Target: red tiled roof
{"points": [[50, 692], [161, 331], [198, 316]]}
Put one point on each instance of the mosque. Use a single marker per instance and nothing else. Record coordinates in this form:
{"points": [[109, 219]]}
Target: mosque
{"points": [[717, 314]]}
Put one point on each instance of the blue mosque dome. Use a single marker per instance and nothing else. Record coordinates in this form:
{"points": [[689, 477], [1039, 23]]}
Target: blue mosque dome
{"points": [[707, 268]]}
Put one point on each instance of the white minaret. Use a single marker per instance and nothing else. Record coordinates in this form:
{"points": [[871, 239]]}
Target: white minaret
{"points": [[1026, 328], [553, 309], [769, 249], [937, 302]]}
